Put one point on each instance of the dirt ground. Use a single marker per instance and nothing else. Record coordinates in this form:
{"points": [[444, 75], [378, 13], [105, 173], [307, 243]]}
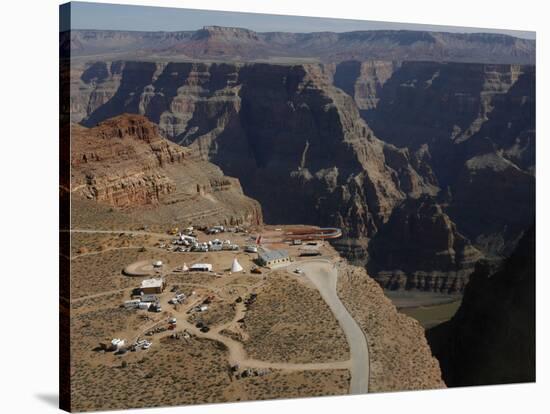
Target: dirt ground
{"points": [[400, 358], [287, 327], [275, 323]]}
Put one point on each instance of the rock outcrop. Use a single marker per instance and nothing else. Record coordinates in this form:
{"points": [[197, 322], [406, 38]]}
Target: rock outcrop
{"points": [[491, 339], [420, 248], [400, 358], [124, 163]]}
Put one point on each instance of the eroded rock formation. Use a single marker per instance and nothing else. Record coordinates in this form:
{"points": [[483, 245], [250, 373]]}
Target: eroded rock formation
{"points": [[281, 129], [346, 144], [421, 248], [124, 162], [474, 127]]}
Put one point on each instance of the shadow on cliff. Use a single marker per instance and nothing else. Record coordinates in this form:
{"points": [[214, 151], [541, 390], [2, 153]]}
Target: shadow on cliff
{"points": [[491, 339], [135, 76]]}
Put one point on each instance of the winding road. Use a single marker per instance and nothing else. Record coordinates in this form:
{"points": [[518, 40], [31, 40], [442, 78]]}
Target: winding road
{"points": [[324, 275]]}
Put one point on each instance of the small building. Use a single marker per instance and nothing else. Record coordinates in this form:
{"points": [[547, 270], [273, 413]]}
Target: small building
{"points": [[149, 286], [201, 267], [157, 263], [273, 257]]}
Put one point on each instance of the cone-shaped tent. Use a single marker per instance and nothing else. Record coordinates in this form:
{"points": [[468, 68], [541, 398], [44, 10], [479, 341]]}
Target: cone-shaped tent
{"points": [[185, 268], [236, 267]]}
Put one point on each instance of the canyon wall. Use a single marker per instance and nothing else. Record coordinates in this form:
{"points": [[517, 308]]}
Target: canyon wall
{"points": [[280, 129], [442, 153], [491, 339], [474, 126]]}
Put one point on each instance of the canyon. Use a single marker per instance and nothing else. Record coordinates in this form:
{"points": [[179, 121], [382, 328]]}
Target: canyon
{"points": [[358, 145], [123, 167], [420, 146]]}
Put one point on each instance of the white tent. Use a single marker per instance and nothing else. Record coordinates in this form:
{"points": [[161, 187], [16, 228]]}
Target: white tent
{"points": [[185, 268], [158, 263], [236, 267]]}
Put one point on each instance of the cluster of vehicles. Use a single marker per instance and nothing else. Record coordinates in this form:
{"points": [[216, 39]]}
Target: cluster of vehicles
{"points": [[215, 245], [202, 326], [188, 242], [142, 344], [203, 306], [179, 299], [145, 303], [118, 346]]}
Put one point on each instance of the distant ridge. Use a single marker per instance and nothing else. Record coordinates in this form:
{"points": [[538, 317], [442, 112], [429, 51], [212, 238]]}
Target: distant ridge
{"points": [[239, 44]]}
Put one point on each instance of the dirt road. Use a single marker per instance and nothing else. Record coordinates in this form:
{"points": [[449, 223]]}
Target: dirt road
{"points": [[324, 276], [133, 232]]}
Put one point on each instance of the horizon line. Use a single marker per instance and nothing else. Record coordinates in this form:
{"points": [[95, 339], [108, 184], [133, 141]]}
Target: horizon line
{"points": [[107, 16]]}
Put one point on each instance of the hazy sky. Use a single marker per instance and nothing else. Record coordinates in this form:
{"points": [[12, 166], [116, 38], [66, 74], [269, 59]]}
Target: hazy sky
{"points": [[147, 18]]}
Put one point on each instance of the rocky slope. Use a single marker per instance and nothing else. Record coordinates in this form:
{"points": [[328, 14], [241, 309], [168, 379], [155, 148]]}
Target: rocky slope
{"points": [[124, 163], [491, 339], [236, 44], [400, 358]]}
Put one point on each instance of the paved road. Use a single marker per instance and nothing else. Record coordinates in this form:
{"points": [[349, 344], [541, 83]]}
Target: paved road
{"points": [[324, 276]]}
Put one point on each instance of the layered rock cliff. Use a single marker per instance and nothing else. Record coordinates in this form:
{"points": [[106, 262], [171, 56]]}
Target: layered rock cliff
{"points": [[280, 129], [346, 144], [491, 339], [421, 248], [474, 127], [363, 80], [124, 162]]}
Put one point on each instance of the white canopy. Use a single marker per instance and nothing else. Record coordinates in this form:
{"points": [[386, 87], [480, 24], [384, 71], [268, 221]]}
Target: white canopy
{"points": [[236, 267]]}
